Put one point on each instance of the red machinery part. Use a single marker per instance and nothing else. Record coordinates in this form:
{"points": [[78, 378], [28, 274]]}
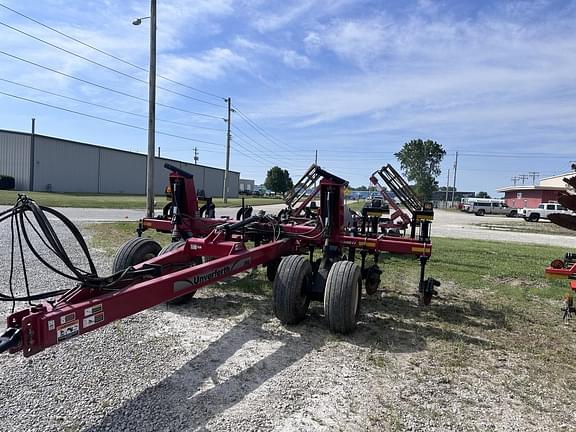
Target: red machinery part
{"points": [[163, 278]]}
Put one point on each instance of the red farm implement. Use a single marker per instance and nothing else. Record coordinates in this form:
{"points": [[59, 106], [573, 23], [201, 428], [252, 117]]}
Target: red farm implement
{"points": [[308, 258], [565, 268]]}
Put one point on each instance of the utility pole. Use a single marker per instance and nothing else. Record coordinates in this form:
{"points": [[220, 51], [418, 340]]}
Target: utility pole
{"points": [[151, 111], [533, 174], [522, 177], [447, 187], [32, 157], [316, 158], [196, 156], [228, 139], [454, 187]]}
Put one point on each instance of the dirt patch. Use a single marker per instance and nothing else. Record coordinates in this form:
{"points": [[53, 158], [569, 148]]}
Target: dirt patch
{"points": [[514, 282]]}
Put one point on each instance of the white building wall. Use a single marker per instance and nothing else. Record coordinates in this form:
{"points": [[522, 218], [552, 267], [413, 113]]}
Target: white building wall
{"points": [[69, 166], [15, 158], [64, 166]]}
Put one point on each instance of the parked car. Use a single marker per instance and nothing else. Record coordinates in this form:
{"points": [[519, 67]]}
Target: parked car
{"points": [[543, 211], [484, 206]]}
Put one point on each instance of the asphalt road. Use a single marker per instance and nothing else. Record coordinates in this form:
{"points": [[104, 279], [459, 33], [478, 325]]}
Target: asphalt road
{"points": [[446, 224]]}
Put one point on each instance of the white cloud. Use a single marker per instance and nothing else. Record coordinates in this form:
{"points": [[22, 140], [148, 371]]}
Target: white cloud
{"points": [[295, 60], [313, 42], [210, 65], [360, 41], [275, 21], [288, 57]]}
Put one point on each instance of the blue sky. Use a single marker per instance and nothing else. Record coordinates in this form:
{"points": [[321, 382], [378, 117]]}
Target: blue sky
{"points": [[353, 79]]}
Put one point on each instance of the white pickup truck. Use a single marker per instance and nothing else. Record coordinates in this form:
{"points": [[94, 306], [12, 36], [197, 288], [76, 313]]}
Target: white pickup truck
{"points": [[542, 212]]}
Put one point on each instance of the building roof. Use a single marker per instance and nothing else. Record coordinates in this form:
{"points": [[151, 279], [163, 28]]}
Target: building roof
{"points": [[531, 187], [555, 182], [559, 176]]}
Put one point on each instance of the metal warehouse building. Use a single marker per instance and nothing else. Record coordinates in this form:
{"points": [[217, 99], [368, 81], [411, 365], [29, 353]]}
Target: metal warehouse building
{"points": [[43, 163]]}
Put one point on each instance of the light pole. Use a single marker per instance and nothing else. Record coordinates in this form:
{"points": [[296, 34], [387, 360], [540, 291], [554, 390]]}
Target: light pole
{"points": [[151, 110]]}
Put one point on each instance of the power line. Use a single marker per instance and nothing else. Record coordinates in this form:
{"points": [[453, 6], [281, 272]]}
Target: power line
{"points": [[110, 55], [261, 131], [107, 107], [262, 158], [106, 120], [271, 152], [106, 67], [107, 88]]}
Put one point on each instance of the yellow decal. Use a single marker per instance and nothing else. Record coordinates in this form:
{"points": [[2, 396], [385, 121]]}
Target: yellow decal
{"points": [[555, 276], [424, 218], [422, 249]]}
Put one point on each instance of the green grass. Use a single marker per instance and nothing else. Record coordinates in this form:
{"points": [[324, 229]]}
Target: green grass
{"points": [[512, 269], [110, 236], [52, 199]]}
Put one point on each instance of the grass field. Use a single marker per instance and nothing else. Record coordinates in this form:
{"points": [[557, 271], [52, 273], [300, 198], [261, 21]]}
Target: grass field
{"points": [[51, 199]]}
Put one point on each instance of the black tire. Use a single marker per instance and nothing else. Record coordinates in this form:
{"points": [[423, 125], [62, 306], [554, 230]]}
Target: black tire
{"points": [[342, 296], [167, 210], [480, 212], [171, 246], [244, 213], [372, 280], [272, 269], [512, 213], [534, 217], [135, 251], [290, 289], [186, 298]]}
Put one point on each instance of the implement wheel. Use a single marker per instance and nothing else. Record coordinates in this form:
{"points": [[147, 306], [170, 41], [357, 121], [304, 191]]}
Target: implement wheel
{"points": [[272, 269], [342, 296], [133, 252], [290, 289], [186, 298]]}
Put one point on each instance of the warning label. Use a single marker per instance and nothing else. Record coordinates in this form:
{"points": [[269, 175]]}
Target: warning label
{"points": [[94, 319], [65, 319], [93, 310], [67, 331]]}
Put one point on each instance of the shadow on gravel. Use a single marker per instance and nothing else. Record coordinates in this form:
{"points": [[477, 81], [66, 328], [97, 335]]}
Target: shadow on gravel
{"points": [[182, 402], [397, 324], [193, 395], [468, 313]]}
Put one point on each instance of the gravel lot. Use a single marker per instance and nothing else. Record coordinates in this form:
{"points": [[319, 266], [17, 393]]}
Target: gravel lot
{"points": [[225, 364]]}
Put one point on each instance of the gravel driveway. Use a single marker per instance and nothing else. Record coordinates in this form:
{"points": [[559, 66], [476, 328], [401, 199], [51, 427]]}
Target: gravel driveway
{"points": [[225, 364]]}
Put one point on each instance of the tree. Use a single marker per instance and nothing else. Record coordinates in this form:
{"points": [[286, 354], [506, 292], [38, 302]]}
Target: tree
{"points": [[288, 180], [420, 161], [482, 194], [278, 180], [361, 188]]}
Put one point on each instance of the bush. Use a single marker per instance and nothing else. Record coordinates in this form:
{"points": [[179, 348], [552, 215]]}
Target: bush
{"points": [[7, 182]]}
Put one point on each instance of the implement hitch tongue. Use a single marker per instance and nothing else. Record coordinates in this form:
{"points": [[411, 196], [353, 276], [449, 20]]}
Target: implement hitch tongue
{"points": [[10, 339]]}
